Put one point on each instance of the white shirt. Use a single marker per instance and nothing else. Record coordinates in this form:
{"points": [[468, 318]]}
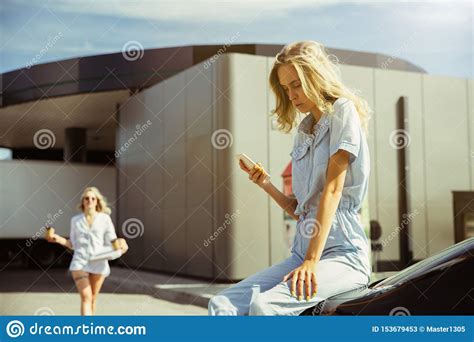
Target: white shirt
{"points": [[89, 241]]}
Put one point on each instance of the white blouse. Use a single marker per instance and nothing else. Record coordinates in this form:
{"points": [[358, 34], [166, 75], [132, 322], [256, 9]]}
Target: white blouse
{"points": [[87, 242]]}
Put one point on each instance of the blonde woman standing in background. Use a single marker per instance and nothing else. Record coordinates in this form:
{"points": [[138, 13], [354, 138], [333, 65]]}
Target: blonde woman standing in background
{"points": [[91, 230]]}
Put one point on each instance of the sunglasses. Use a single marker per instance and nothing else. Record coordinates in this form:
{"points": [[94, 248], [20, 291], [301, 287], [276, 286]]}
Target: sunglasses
{"points": [[90, 198]]}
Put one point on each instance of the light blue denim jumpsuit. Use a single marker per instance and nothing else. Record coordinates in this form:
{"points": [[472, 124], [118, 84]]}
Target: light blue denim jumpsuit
{"points": [[344, 264]]}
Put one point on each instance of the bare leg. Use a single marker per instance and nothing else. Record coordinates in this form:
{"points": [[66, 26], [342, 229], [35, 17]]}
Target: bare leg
{"points": [[83, 285], [96, 281]]}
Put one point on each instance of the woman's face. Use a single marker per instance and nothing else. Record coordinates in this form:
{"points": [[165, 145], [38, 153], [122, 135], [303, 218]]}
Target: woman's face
{"points": [[289, 80], [89, 200]]}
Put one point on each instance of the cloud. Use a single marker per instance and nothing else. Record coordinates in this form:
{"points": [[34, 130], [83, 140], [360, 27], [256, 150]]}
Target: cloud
{"points": [[425, 32], [229, 11]]}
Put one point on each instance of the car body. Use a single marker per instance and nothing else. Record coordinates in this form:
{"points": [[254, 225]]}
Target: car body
{"points": [[442, 284]]}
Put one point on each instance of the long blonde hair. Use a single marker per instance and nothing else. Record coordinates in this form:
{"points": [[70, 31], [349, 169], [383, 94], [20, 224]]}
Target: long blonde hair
{"points": [[320, 79], [101, 206]]}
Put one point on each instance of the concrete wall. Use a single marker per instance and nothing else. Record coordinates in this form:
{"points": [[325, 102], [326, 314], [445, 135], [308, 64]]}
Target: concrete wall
{"points": [[388, 86], [439, 145], [447, 153], [34, 192], [165, 176], [184, 189]]}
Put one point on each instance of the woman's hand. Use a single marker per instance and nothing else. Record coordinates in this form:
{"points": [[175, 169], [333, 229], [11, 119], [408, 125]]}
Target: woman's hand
{"points": [[55, 238], [257, 174], [123, 245], [304, 274]]}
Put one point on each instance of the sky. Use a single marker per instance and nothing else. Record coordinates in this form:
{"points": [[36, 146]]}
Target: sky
{"points": [[434, 35]]}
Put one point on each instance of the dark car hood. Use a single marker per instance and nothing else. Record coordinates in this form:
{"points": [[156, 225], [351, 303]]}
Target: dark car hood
{"points": [[353, 302], [330, 305]]}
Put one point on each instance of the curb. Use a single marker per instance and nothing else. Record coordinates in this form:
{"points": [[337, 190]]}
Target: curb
{"points": [[164, 292]]}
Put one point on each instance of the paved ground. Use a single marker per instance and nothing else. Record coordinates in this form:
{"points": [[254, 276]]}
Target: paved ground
{"points": [[30, 292], [125, 292]]}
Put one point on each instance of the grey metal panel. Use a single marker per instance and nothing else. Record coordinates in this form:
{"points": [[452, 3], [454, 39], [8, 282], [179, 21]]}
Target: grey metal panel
{"points": [[199, 173], [390, 85], [361, 80], [153, 173], [245, 100], [130, 165], [174, 203], [222, 248], [446, 155]]}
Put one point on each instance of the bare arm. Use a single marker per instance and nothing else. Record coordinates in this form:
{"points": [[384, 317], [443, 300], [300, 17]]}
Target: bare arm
{"points": [[330, 198], [331, 195], [287, 203], [67, 243], [258, 176], [61, 240]]}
